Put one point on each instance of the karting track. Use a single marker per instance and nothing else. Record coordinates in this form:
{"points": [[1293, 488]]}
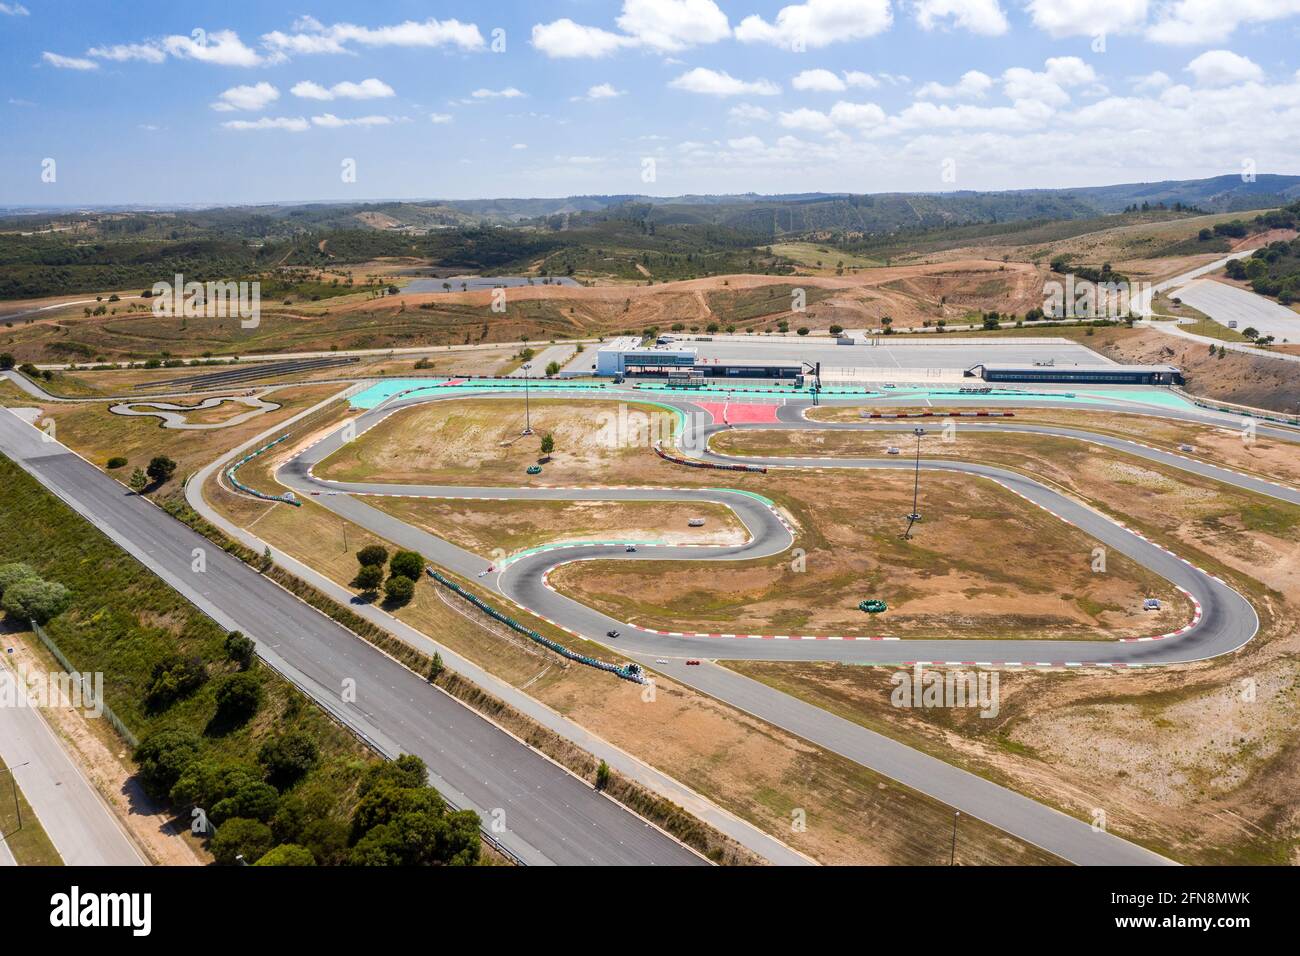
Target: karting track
{"points": [[1224, 620]]}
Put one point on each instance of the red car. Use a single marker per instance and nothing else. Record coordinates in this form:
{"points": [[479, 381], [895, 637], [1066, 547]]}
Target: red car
{"points": [[692, 662]]}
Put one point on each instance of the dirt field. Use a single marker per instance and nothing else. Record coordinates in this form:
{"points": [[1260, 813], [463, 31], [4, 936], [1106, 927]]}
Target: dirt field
{"points": [[1265, 457], [507, 527]]}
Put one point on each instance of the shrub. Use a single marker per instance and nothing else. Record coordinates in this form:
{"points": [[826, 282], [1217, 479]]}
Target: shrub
{"points": [[250, 839], [288, 758], [240, 649], [287, 854], [238, 698], [174, 677], [399, 589], [117, 461], [372, 554], [13, 573], [406, 564], [252, 799], [162, 757], [160, 468], [32, 599], [369, 577]]}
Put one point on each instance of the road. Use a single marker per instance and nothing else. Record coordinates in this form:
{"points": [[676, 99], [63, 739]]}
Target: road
{"points": [[550, 816], [1224, 623], [1227, 303], [78, 822]]}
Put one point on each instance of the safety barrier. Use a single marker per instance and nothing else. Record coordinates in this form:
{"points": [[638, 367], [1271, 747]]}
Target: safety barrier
{"points": [[287, 498], [692, 463], [630, 672], [938, 414]]}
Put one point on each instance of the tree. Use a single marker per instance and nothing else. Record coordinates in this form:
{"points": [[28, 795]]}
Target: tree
{"points": [[240, 838], [552, 369], [287, 854], [1250, 332], [372, 554], [602, 776], [252, 800], [267, 559], [138, 481], [238, 698], [406, 564], [399, 589], [548, 443], [240, 649], [162, 757], [33, 599], [6, 361], [369, 578], [172, 678], [288, 758], [13, 573], [436, 668], [160, 468]]}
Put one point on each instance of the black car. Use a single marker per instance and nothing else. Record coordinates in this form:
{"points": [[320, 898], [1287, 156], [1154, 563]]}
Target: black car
{"points": [[611, 633]]}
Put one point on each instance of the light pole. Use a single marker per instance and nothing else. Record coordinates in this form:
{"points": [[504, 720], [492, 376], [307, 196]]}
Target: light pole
{"points": [[915, 516], [952, 859], [817, 378], [528, 418]]}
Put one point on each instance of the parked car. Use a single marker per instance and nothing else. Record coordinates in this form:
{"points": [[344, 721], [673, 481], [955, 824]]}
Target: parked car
{"points": [[893, 450], [1151, 604], [696, 523], [1187, 448]]}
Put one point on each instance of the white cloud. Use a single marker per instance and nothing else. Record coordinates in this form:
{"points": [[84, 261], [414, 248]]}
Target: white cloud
{"points": [[566, 39], [221, 48], [1224, 68], [1152, 82], [249, 98], [601, 91], [293, 125], [842, 114], [440, 118], [1209, 21], [973, 85], [121, 52], [749, 113], [14, 10], [1026, 114], [861, 80], [984, 17], [672, 25], [1063, 18], [509, 93], [68, 62], [819, 81], [717, 83], [745, 144], [310, 36], [813, 121], [1050, 86], [330, 121], [818, 23], [371, 89], [520, 146]]}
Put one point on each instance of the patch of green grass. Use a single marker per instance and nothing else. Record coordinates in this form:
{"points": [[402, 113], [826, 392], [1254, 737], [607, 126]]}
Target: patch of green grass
{"points": [[20, 830]]}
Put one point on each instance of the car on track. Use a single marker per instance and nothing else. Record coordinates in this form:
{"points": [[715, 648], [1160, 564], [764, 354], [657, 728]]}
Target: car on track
{"points": [[693, 662], [661, 660], [611, 633], [630, 549]]}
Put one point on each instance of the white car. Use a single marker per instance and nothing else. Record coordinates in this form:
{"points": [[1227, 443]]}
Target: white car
{"points": [[1151, 604], [630, 548], [893, 450]]}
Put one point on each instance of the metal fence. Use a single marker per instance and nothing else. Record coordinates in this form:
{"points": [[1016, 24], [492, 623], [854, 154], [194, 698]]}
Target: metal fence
{"points": [[86, 687]]}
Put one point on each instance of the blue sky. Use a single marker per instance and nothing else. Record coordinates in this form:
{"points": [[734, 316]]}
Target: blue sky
{"points": [[237, 102]]}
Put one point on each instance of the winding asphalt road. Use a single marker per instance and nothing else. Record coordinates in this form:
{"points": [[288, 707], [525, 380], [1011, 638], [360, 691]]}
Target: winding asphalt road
{"points": [[1225, 621]]}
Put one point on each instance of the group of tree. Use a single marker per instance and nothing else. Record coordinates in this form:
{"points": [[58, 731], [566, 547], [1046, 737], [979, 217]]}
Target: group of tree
{"points": [[404, 570], [26, 596]]}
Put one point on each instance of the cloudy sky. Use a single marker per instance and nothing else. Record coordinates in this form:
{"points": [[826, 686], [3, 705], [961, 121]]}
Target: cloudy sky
{"points": [[240, 101]]}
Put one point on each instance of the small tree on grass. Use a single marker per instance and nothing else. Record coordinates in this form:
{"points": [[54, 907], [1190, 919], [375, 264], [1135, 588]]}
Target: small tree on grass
{"points": [[240, 838], [602, 776], [406, 564], [548, 444], [160, 469], [369, 578], [138, 481], [238, 698], [552, 369], [436, 668], [33, 599], [399, 589], [240, 649], [163, 756], [372, 554], [267, 559]]}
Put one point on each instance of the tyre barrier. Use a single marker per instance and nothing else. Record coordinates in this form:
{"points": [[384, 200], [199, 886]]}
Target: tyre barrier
{"points": [[690, 463], [1244, 413], [631, 672], [287, 498]]}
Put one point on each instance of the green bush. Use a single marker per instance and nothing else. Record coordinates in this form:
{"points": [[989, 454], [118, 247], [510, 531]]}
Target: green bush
{"points": [[162, 757], [13, 573], [117, 461], [287, 854], [372, 554], [407, 564], [288, 758], [160, 469], [250, 839], [399, 589], [369, 577], [174, 677], [32, 599], [238, 698], [253, 800], [240, 649]]}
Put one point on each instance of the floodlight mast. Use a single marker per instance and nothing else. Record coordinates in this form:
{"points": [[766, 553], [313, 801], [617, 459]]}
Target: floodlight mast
{"points": [[915, 516], [528, 418]]}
